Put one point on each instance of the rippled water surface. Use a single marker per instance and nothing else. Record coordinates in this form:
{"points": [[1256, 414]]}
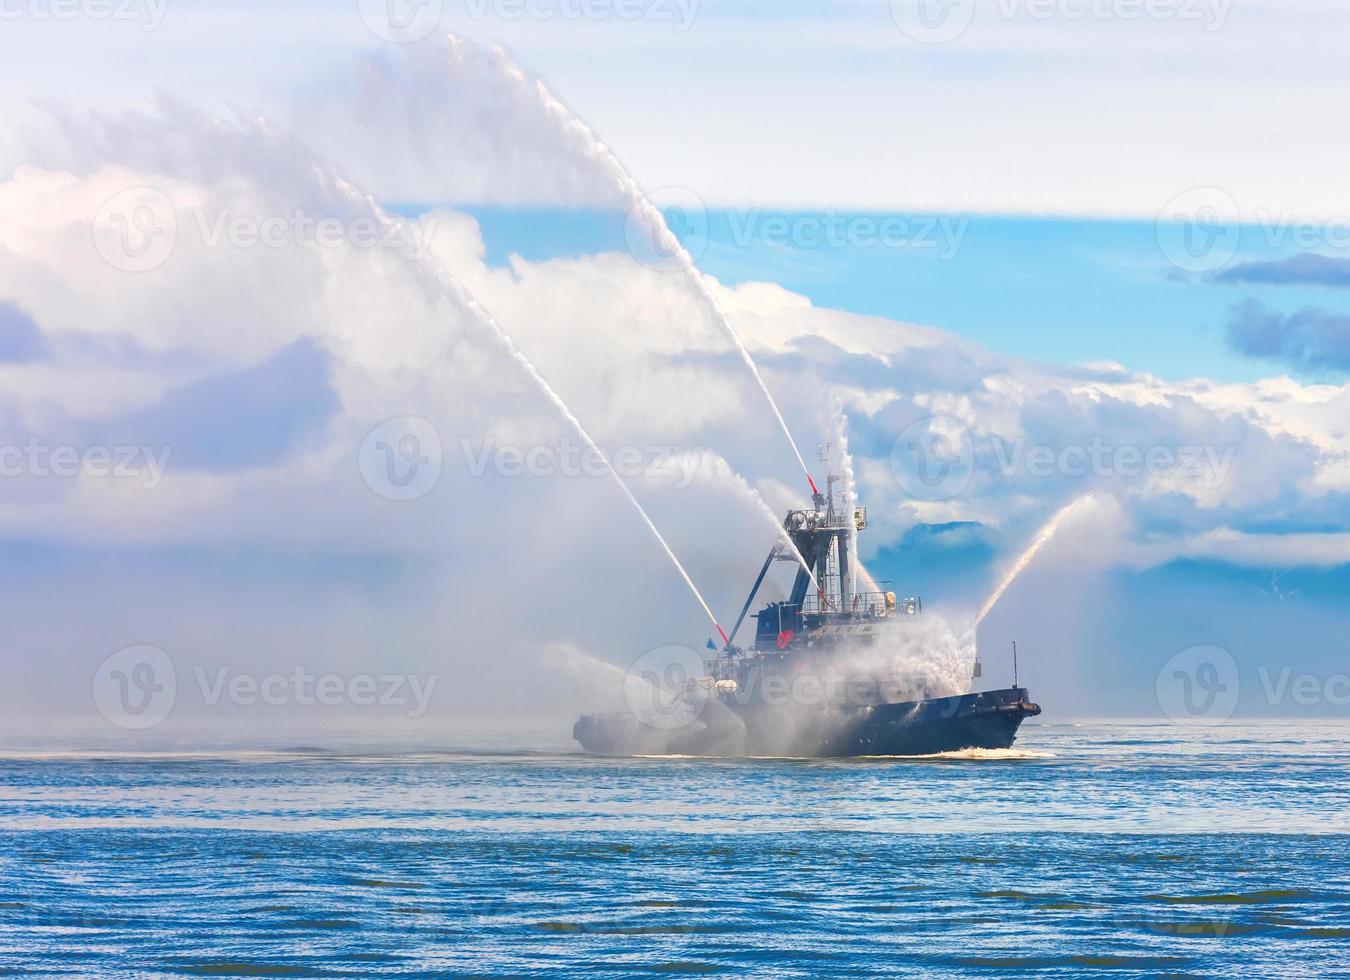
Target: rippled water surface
{"points": [[1099, 850]]}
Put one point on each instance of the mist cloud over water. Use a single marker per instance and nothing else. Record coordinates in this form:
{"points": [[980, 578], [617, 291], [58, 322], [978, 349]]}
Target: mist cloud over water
{"points": [[270, 374]]}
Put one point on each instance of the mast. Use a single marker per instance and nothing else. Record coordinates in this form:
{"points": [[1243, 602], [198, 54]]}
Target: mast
{"points": [[837, 520], [754, 591], [822, 537]]}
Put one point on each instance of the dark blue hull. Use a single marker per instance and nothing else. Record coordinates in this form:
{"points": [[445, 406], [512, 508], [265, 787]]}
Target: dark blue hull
{"points": [[987, 720]]}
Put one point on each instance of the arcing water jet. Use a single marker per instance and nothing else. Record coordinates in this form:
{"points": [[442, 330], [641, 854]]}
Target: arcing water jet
{"points": [[827, 679], [1041, 539], [851, 498], [636, 689], [460, 293], [591, 146], [850, 492], [728, 478], [457, 293]]}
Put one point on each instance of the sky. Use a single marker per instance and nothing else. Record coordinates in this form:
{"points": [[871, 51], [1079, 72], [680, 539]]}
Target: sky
{"points": [[1050, 253], [1037, 111], [1069, 107], [1081, 290]]}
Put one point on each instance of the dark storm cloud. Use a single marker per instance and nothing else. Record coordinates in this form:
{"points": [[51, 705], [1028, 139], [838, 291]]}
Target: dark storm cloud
{"points": [[1305, 269], [21, 340], [1311, 339], [236, 420]]}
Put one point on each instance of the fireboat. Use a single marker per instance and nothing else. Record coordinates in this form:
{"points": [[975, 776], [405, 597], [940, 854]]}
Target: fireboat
{"points": [[819, 679]]}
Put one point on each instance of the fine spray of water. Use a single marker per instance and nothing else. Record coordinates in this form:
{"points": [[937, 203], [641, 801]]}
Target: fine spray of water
{"points": [[590, 144], [710, 468], [1041, 539], [851, 500], [457, 293], [913, 661], [922, 659], [850, 493], [872, 584], [634, 689]]}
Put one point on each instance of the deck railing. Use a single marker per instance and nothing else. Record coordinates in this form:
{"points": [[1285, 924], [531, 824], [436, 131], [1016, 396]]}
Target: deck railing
{"points": [[863, 603]]}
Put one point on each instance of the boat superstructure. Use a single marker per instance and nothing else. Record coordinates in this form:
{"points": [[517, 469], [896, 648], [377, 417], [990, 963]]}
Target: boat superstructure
{"points": [[834, 669]]}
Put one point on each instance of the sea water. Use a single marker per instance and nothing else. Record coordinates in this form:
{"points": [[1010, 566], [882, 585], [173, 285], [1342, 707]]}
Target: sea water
{"points": [[1090, 850]]}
